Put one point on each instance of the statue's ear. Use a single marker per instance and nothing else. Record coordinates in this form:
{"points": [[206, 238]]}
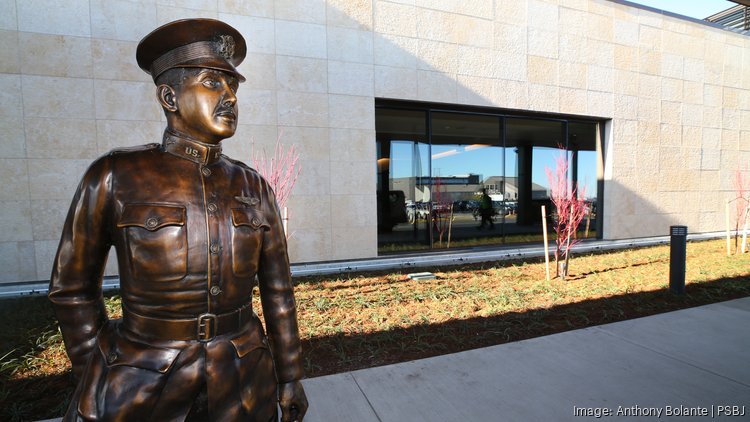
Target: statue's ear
{"points": [[167, 97]]}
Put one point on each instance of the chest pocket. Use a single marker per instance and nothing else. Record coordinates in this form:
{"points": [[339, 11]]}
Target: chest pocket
{"points": [[156, 240], [248, 226]]}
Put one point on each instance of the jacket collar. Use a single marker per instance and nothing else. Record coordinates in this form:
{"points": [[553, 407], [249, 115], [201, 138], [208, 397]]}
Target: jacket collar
{"points": [[190, 149]]}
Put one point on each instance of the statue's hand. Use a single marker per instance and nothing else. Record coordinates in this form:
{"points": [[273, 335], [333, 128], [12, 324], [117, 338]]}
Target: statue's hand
{"points": [[293, 401]]}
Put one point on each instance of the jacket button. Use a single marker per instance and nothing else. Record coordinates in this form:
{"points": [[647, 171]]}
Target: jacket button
{"points": [[206, 171], [215, 290], [111, 357], [212, 207], [215, 248], [152, 222]]}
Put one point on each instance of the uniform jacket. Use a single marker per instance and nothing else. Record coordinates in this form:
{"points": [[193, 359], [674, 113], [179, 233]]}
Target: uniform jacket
{"points": [[191, 229]]}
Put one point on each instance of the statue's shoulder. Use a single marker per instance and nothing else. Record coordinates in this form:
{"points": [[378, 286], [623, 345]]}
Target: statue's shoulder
{"points": [[134, 149], [239, 164]]}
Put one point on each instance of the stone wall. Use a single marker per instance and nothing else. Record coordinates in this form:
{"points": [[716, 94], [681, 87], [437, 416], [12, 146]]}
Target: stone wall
{"points": [[677, 93]]}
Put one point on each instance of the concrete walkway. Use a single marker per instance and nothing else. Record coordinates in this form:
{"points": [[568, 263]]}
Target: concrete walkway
{"points": [[693, 361]]}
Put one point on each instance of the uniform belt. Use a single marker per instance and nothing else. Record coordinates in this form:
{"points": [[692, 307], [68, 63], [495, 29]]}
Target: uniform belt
{"points": [[204, 327]]}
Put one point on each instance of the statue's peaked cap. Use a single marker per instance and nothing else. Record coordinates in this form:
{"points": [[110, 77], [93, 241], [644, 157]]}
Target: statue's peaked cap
{"points": [[204, 43]]}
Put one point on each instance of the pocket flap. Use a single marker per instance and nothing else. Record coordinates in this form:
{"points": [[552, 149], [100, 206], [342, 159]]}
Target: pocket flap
{"points": [[120, 351], [251, 338], [248, 217], [152, 216]]}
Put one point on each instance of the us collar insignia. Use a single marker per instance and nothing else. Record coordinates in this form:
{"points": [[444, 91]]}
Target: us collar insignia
{"points": [[248, 201]]}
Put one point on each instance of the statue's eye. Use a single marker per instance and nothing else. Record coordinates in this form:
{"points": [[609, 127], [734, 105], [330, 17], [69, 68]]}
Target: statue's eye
{"points": [[210, 83]]}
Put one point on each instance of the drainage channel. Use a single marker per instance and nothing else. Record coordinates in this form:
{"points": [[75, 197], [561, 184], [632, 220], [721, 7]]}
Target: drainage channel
{"points": [[405, 262]]}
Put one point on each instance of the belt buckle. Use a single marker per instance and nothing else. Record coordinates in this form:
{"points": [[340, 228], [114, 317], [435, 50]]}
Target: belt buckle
{"points": [[207, 326]]}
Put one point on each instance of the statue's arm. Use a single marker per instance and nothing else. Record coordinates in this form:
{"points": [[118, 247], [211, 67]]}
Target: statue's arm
{"points": [[76, 284], [280, 314]]}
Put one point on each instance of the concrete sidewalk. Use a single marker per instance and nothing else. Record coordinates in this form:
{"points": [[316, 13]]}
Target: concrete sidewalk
{"points": [[693, 361], [689, 361]]}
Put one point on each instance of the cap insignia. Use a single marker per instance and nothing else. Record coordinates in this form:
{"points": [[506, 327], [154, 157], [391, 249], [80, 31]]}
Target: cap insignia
{"points": [[226, 46]]}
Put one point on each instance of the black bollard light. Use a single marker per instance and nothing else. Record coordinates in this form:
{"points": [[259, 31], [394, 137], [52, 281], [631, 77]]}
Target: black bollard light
{"points": [[677, 254]]}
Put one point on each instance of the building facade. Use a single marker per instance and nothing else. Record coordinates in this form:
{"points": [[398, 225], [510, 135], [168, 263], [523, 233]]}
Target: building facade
{"points": [[661, 104]]}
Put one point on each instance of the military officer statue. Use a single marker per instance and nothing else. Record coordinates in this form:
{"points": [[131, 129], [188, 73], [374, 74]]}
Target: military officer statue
{"points": [[191, 229]]}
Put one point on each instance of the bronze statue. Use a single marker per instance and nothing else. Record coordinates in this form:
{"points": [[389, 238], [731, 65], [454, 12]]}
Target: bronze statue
{"points": [[191, 229]]}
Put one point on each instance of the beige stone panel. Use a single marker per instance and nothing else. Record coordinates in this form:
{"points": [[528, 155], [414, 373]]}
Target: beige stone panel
{"points": [[711, 139], [692, 92], [437, 56], [693, 69], [693, 115], [352, 145], [542, 15], [207, 5], [350, 45], [475, 90], [395, 19], [12, 141], [649, 110], [712, 95], [395, 82], [648, 132], [11, 100], [301, 39], [44, 255], [544, 98], [729, 140], [477, 8], [710, 221], [60, 138], [510, 38], [46, 96], [350, 211], [15, 177], [733, 76], [351, 112], [709, 180], [542, 70], [671, 89], [625, 33], [624, 131], [647, 160], [649, 86], [649, 61], [15, 223], [574, 4], [625, 57], [363, 245], [302, 109], [600, 104], [355, 14], [543, 43], [122, 20], [649, 38], [510, 94], [301, 74], [731, 98], [260, 34], [626, 107], [713, 73], [573, 101], [311, 11], [9, 17], [573, 48], [649, 18], [510, 66], [112, 134], [572, 75], [600, 27], [54, 17], [48, 217], [670, 159], [744, 140], [309, 245], [713, 51], [252, 140], [436, 86], [624, 155], [513, 12], [454, 28], [670, 135], [392, 50], [258, 106], [600, 53], [730, 119], [310, 143], [573, 21], [55, 179], [10, 61], [672, 66], [671, 112], [17, 262], [600, 78], [352, 177], [165, 14], [260, 71], [315, 178], [308, 212], [126, 100], [113, 59], [482, 62], [692, 136], [744, 120], [259, 8], [625, 82]]}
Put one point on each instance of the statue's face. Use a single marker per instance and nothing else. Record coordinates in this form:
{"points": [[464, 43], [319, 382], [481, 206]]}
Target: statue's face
{"points": [[207, 105]]}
